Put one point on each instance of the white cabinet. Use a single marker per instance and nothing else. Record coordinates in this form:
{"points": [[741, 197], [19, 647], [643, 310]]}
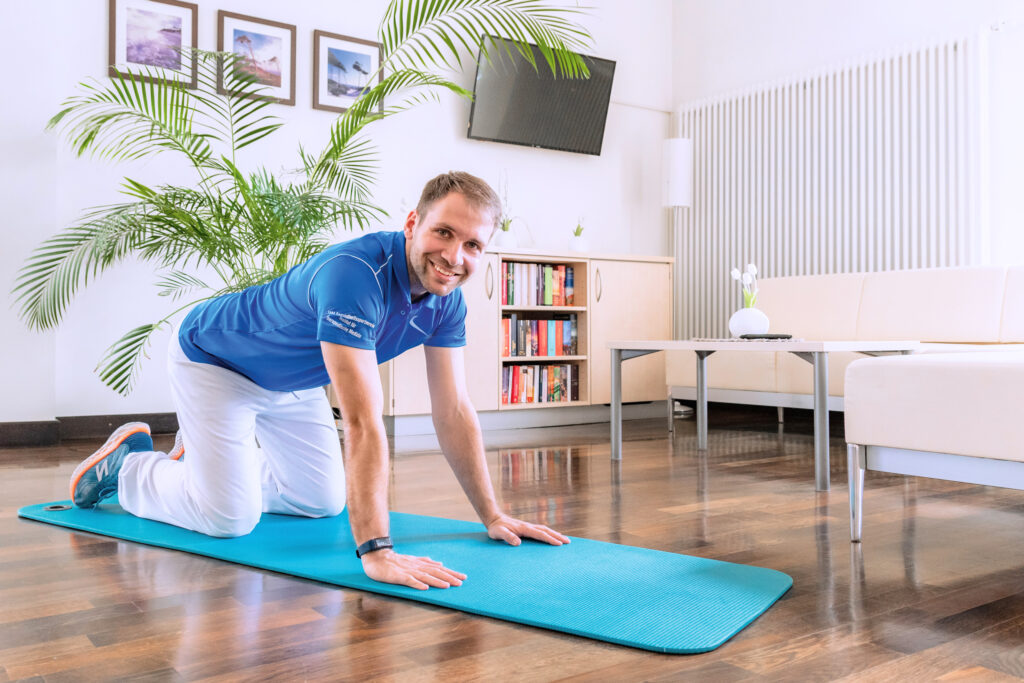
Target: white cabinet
{"points": [[629, 300]]}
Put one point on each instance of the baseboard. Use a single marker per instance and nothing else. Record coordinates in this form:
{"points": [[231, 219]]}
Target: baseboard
{"points": [[25, 434], [97, 426], [415, 425], [52, 432]]}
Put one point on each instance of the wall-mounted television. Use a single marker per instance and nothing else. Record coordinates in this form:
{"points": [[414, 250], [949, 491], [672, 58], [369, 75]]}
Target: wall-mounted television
{"points": [[520, 105]]}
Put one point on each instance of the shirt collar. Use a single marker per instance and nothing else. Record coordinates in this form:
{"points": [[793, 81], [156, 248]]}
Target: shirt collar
{"points": [[401, 268]]}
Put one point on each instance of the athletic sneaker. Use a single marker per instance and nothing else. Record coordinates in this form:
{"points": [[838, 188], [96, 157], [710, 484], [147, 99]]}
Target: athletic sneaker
{"points": [[178, 451], [96, 478]]}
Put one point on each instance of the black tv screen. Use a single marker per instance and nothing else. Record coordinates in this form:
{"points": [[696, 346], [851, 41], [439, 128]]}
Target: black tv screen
{"points": [[517, 104]]}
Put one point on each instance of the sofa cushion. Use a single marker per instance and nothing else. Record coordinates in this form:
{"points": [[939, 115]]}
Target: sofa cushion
{"points": [[960, 403], [1012, 327], [819, 307], [936, 304]]}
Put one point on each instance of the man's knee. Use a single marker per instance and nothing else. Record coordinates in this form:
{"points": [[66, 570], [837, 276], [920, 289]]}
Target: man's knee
{"points": [[329, 506], [223, 523]]}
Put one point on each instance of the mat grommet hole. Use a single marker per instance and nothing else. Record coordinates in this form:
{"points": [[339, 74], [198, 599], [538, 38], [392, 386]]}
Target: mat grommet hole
{"points": [[56, 508]]}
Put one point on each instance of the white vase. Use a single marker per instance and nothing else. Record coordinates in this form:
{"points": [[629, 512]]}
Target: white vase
{"points": [[748, 321], [579, 244], [504, 239]]}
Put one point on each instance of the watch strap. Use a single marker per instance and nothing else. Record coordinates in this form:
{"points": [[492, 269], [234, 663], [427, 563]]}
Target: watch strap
{"points": [[374, 544]]}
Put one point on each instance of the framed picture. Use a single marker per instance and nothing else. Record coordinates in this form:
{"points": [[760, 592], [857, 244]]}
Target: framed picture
{"points": [[342, 68], [153, 35], [266, 49]]}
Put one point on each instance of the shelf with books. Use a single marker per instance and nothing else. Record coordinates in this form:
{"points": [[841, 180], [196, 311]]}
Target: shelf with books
{"points": [[531, 334], [543, 384], [541, 283]]}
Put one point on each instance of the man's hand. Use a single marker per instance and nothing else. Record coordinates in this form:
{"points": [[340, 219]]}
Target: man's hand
{"points": [[512, 531], [421, 573]]}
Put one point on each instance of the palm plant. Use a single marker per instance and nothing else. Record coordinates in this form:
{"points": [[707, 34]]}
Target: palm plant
{"points": [[235, 229]]}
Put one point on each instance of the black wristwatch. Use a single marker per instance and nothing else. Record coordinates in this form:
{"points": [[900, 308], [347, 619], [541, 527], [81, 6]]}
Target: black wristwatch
{"points": [[374, 544]]}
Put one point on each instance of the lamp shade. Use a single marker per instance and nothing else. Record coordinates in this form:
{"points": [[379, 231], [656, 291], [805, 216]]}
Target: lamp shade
{"points": [[677, 172]]}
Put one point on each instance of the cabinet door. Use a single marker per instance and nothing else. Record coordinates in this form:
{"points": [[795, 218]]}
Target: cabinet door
{"points": [[629, 300], [482, 353]]}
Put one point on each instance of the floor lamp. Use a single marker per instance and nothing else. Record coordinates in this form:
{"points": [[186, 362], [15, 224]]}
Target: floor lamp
{"points": [[677, 192]]}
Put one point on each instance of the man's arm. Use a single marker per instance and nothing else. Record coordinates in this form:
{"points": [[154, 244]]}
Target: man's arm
{"points": [[458, 431], [357, 386]]}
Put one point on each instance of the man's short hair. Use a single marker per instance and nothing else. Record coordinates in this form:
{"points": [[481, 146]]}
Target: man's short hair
{"points": [[476, 191]]}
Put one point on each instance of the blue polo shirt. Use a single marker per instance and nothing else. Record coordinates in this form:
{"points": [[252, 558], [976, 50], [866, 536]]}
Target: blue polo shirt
{"points": [[355, 293]]}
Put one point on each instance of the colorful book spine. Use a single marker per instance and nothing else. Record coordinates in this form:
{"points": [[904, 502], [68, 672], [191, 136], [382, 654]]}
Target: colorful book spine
{"points": [[570, 291]]}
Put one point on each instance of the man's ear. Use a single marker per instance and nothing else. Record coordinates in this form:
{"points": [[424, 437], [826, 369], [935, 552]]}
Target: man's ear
{"points": [[410, 222]]}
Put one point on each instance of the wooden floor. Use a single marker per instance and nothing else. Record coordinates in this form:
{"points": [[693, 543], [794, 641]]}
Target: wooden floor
{"points": [[935, 592]]}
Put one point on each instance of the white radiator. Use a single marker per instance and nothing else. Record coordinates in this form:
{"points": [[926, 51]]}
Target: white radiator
{"points": [[874, 166]]}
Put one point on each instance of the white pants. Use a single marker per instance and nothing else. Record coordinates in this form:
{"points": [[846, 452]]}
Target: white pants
{"points": [[225, 481]]}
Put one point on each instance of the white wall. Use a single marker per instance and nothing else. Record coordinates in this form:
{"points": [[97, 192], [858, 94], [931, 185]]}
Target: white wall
{"points": [[44, 187], [727, 46]]}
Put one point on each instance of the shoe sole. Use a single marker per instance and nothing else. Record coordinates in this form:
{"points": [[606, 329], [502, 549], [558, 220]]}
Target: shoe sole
{"points": [[115, 440], [178, 449]]}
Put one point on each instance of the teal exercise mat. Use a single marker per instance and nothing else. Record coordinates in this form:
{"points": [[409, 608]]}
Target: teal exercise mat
{"points": [[631, 596]]}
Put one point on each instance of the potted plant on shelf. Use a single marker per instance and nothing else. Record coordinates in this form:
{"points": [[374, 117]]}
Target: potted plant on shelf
{"points": [[504, 238], [577, 242], [235, 228]]}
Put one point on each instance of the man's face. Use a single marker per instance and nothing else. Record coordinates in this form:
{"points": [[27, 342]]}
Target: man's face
{"points": [[444, 246]]}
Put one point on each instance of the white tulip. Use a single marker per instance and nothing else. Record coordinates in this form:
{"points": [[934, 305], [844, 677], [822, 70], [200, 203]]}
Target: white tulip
{"points": [[735, 273], [747, 278], [752, 269]]}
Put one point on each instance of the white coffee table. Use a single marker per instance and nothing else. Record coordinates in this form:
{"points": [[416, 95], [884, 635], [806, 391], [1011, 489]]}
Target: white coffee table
{"points": [[814, 352]]}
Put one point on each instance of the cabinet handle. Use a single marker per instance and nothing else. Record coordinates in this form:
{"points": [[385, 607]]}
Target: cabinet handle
{"points": [[600, 288], [489, 283]]}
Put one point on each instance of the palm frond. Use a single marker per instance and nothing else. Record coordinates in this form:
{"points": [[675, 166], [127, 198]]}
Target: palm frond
{"points": [[138, 115], [62, 264], [346, 164], [417, 34], [178, 283], [120, 364]]}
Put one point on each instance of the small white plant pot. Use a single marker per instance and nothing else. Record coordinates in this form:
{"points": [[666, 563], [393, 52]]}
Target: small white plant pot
{"points": [[579, 244], [748, 321], [504, 239]]}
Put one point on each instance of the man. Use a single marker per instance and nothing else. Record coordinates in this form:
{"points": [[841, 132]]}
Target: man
{"points": [[249, 367]]}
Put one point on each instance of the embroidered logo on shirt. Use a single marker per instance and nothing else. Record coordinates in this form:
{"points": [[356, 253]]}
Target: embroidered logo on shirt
{"points": [[346, 322]]}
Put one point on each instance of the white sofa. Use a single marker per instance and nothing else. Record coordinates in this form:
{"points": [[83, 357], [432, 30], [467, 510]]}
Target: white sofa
{"points": [[945, 415], [962, 309]]}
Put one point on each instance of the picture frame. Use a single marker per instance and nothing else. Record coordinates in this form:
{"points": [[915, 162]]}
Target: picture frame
{"points": [[156, 35], [265, 48], [342, 67]]}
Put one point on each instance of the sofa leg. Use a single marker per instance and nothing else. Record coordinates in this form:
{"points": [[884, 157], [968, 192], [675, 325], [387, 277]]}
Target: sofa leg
{"points": [[855, 466]]}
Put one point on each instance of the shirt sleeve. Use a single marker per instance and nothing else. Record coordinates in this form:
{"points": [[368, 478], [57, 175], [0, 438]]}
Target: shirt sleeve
{"points": [[450, 330], [348, 301]]}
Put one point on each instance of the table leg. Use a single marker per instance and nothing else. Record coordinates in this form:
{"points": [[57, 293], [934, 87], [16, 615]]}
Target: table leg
{"points": [[616, 404], [702, 399], [821, 465]]}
